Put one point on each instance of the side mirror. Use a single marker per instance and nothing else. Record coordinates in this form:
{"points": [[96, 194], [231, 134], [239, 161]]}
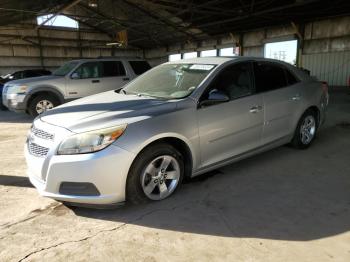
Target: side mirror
{"points": [[75, 75], [215, 96]]}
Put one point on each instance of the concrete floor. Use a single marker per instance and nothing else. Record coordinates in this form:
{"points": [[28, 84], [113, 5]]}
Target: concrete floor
{"points": [[283, 205]]}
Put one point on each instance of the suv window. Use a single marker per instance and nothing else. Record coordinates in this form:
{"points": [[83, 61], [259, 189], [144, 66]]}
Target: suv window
{"points": [[139, 67], [65, 68], [113, 68], [234, 80], [291, 80], [268, 76], [17, 75], [31, 74], [89, 70]]}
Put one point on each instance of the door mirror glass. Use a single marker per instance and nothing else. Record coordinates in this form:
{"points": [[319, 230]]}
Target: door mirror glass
{"points": [[214, 97], [75, 75]]}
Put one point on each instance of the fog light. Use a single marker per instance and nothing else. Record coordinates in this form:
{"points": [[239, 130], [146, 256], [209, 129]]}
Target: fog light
{"points": [[13, 102], [78, 189]]}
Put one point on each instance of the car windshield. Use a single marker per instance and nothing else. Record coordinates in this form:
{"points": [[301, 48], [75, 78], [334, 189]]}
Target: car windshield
{"points": [[169, 81], [65, 68]]}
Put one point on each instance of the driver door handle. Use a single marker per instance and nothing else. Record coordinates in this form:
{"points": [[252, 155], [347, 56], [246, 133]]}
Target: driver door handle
{"points": [[255, 109], [95, 81]]}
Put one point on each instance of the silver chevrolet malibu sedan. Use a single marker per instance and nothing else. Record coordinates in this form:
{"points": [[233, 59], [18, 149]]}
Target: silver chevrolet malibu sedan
{"points": [[180, 119]]}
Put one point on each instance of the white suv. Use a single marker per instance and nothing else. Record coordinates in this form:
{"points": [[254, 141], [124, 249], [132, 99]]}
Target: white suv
{"points": [[75, 79]]}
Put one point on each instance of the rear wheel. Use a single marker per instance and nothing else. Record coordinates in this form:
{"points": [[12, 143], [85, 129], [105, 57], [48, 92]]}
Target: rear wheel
{"points": [[305, 132], [155, 175], [41, 104]]}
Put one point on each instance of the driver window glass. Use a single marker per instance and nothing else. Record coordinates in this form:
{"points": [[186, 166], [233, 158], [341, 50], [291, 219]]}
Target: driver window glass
{"points": [[234, 81], [89, 70]]}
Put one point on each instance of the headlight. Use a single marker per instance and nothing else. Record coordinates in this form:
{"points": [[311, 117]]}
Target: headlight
{"points": [[91, 141], [17, 89]]}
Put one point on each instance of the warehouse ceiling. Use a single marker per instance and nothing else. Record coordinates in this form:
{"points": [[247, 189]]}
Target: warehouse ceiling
{"points": [[154, 23]]}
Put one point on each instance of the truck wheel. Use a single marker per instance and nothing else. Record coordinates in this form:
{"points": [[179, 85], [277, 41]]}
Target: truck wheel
{"points": [[41, 104]]}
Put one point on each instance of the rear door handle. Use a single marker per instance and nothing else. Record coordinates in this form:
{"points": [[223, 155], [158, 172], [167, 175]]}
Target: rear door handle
{"points": [[296, 97], [255, 109], [126, 79], [95, 81]]}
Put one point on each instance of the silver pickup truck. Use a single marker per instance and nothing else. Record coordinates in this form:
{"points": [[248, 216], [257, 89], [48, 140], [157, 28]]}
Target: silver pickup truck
{"points": [[74, 79]]}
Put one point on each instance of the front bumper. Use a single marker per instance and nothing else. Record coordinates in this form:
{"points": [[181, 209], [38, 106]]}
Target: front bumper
{"points": [[15, 102], [107, 170]]}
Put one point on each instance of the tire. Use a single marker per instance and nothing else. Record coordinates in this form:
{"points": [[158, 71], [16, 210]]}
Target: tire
{"points": [[47, 100], [146, 172], [306, 130]]}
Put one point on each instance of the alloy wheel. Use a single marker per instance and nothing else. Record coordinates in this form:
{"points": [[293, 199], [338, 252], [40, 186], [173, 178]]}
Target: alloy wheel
{"points": [[43, 105], [308, 130], [160, 177]]}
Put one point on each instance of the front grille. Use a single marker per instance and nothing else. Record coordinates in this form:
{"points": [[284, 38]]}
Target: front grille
{"points": [[37, 150], [42, 134]]}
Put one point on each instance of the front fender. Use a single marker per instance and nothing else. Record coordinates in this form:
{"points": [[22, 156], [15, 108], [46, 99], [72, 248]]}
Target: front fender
{"points": [[46, 89]]}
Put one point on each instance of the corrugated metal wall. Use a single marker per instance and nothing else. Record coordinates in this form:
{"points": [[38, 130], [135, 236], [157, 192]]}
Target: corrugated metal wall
{"points": [[332, 67]]}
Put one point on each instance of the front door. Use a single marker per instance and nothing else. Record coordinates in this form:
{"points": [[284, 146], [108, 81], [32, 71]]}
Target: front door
{"points": [[85, 80], [231, 128]]}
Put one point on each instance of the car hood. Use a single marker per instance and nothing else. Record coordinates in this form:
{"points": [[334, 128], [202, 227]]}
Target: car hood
{"points": [[106, 110], [31, 80]]}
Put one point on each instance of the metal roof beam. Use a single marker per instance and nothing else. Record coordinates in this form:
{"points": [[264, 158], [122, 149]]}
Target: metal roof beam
{"points": [[279, 8], [63, 9], [122, 24], [167, 22]]}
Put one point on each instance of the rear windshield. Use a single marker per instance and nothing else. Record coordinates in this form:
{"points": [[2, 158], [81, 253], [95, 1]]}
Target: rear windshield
{"points": [[139, 67]]}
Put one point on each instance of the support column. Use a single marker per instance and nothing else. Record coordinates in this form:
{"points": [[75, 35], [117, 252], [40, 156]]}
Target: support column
{"points": [[40, 49]]}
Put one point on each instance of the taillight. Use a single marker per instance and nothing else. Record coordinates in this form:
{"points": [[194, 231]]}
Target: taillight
{"points": [[325, 87]]}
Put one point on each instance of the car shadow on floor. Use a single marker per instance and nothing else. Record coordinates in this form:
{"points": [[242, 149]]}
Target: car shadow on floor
{"points": [[16, 181], [282, 194], [12, 117]]}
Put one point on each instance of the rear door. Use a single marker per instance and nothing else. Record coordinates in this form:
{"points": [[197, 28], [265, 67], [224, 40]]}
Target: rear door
{"points": [[281, 94], [85, 80], [234, 127], [114, 75]]}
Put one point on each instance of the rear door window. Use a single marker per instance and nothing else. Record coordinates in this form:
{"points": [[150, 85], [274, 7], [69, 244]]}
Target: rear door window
{"points": [[113, 68], [139, 67], [269, 76], [291, 79]]}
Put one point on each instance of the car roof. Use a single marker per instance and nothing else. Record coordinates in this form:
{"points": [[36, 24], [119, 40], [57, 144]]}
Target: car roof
{"points": [[204, 60], [222, 59]]}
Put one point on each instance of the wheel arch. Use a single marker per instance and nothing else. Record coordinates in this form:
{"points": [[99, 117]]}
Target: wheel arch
{"points": [[44, 90], [177, 142]]}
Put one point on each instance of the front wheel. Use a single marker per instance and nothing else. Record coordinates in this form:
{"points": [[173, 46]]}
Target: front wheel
{"points": [[305, 132], [155, 175], [41, 104]]}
